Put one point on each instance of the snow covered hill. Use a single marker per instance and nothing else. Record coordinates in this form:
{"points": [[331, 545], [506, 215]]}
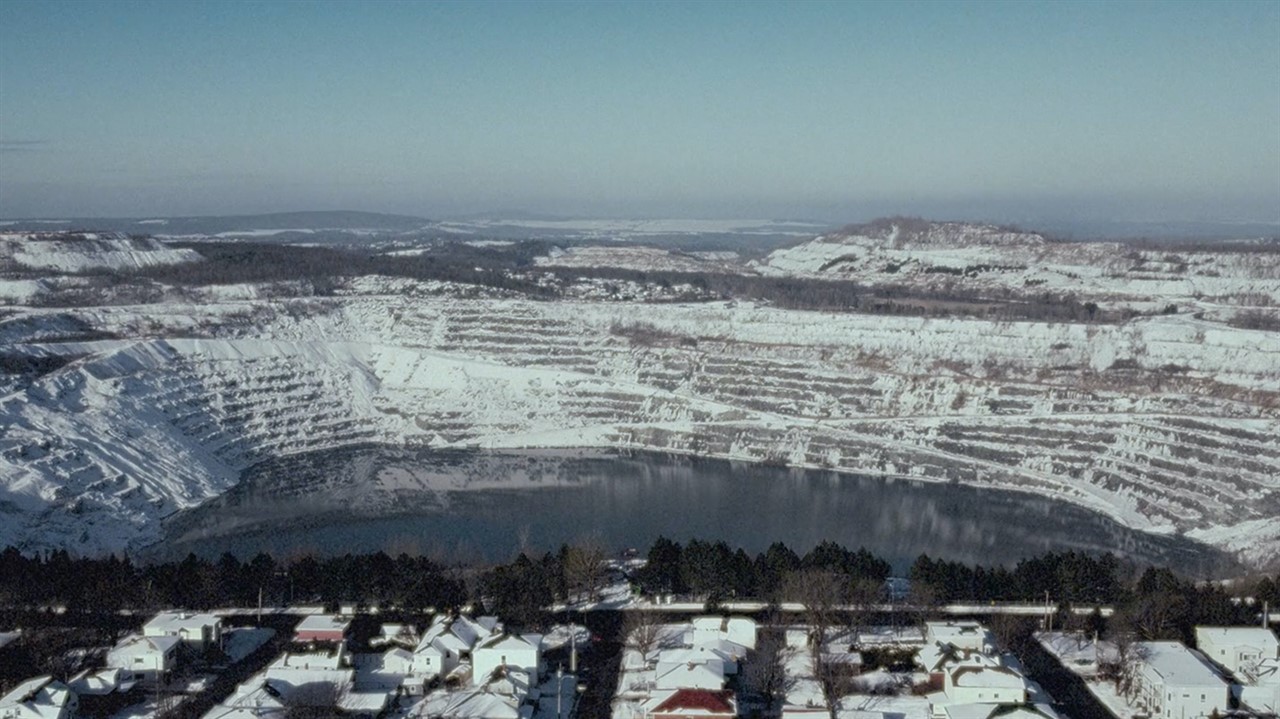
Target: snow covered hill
{"points": [[952, 254], [1169, 423], [84, 251]]}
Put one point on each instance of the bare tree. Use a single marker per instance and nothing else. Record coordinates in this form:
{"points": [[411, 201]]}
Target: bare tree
{"points": [[820, 592], [584, 569], [764, 671], [835, 679], [864, 595], [642, 630], [1009, 630]]}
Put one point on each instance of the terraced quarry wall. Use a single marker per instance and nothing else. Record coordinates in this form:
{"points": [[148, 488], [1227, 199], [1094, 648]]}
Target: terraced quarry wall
{"points": [[1168, 424]]}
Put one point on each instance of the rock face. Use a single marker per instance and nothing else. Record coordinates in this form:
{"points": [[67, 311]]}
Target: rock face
{"points": [[1168, 423]]}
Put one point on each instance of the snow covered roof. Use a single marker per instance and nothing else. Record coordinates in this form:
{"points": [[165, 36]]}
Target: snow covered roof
{"points": [[308, 660], [176, 622], [1177, 665], [974, 675], [1257, 637], [135, 644], [469, 630], [37, 698], [679, 675], [363, 702], [322, 623], [471, 704], [1000, 711], [7, 637], [511, 641], [100, 682]]}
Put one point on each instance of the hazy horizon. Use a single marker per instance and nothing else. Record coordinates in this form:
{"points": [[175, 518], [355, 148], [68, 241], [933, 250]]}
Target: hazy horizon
{"points": [[1027, 112]]}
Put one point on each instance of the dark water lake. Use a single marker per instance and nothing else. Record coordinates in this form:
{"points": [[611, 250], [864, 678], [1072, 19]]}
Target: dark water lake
{"points": [[489, 505]]}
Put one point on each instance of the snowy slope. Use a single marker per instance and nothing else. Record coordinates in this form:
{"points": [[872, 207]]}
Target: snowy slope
{"points": [[1167, 423], [941, 255], [93, 454], [84, 251]]}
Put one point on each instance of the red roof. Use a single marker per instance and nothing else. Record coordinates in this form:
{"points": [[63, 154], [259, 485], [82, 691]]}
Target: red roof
{"points": [[705, 699]]}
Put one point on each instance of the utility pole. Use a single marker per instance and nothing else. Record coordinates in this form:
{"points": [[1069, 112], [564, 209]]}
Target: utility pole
{"points": [[559, 691], [259, 605]]}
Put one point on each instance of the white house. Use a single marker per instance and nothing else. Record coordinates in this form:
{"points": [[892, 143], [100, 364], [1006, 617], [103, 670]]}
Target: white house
{"points": [[1238, 649], [1174, 682], [322, 628], [502, 650], [197, 631], [975, 681], [145, 658], [475, 703], [739, 630], [397, 634], [690, 676], [671, 658], [994, 711], [437, 656], [336, 658], [961, 635], [39, 698]]}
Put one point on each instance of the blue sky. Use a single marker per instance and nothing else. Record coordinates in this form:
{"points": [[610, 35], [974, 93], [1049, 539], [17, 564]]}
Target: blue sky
{"points": [[826, 110]]}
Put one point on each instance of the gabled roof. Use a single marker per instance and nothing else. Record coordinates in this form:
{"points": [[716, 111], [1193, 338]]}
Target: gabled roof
{"points": [[510, 641], [1000, 711], [698, 701], [100, 682], [685, 672], [135, 643], [41, 696], [469, 630]]}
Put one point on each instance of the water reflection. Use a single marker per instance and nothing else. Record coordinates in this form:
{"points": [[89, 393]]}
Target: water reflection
{"points": [[474, 504]]}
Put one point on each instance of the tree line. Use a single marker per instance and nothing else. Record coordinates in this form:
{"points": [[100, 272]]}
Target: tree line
{"points": [[1155, 603]]}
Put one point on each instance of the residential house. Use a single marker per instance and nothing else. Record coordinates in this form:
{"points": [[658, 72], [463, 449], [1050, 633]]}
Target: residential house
{"points": [[689, 676], [322, 628], [1001, 711], [681, 656], [103, 691], [1261, 692], [39, 698], [145, 658], [963, 635], [474, 703], [335, 658], [683, 703], [506, 650], [1237, 649], [980, 681], [1174, 682], [401, 635], [198, 632], [739, 630]]}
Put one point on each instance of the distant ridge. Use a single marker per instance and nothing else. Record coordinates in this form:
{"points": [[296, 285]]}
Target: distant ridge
{"points": [[217, 224]]}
